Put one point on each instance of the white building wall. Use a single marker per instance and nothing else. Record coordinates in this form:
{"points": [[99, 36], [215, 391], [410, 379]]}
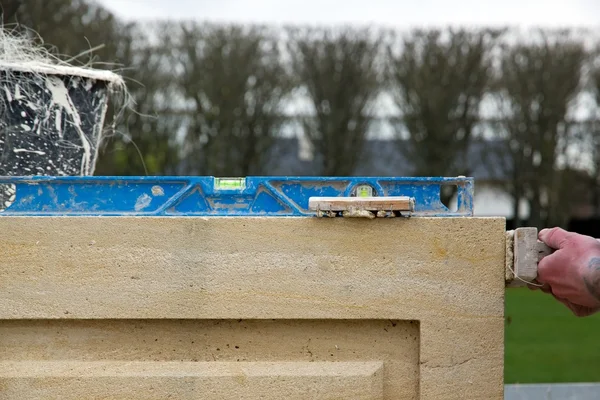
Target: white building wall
{"points": [[490, 201]]}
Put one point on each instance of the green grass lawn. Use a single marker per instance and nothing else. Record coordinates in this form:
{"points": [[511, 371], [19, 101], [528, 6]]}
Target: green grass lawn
{"points": [[546, 343]]}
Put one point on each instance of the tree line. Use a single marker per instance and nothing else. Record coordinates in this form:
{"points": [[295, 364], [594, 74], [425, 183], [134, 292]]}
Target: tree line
{"points": [[211, 99]]}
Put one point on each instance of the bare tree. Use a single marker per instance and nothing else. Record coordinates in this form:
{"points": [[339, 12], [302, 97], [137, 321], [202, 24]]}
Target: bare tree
{"points": [[340, 73], [145, 139], [9, 10], [439, 80], [235, 82], [595, 173], [70, 27], [538, 84], [592, 140]]}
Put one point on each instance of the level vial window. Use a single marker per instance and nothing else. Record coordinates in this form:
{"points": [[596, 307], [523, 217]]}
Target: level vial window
{"points": [[364, 191], [230, 183]]}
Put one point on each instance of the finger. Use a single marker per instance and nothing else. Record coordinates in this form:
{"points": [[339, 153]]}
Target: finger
{"points": [[585, 311], [551, 268], [578, 310], [566, 303], [555, 237], [534, 285], [546, 289], [590, 311]]}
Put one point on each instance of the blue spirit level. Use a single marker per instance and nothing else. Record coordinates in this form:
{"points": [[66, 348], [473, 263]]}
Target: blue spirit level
{"points": [[250, 196]]}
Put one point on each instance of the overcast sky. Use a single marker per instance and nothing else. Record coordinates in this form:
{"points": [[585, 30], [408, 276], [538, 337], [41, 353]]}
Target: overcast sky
{"points": [[399, 13]]}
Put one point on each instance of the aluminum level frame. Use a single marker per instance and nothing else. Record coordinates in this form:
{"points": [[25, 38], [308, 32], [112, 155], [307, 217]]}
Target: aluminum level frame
{"points": [[273, 196]]}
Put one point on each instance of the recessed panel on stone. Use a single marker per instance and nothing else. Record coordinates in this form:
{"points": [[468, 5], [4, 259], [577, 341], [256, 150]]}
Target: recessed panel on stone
{"points": [[191, 380], [379, 357]]}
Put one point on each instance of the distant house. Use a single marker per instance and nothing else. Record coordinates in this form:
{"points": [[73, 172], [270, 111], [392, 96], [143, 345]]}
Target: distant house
{"points": [[294, 156]]}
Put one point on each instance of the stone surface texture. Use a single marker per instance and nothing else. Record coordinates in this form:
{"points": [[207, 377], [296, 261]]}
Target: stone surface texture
{"points": [[251, 308]]}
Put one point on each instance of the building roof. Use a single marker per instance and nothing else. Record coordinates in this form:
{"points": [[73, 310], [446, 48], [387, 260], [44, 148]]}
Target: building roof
{"points": [[380, 158]]}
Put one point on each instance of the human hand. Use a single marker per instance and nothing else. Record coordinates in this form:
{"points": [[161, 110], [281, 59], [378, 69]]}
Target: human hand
{"points": [[572, 273]]}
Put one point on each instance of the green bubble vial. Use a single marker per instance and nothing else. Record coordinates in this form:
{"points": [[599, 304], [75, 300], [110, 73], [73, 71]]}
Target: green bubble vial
{"points": [[230, 183]]}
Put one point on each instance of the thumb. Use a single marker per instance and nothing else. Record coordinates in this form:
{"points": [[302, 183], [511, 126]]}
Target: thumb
{"points": [[554, 237]]}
